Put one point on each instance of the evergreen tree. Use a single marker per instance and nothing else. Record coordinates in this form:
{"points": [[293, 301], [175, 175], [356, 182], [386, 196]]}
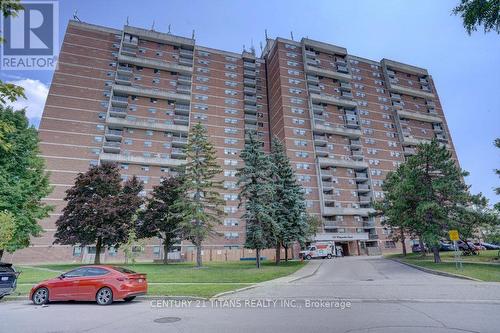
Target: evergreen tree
{"points": [[100, 210], [290, 208], [201, 207], [257, 195], [161, 218], [23, 180], [427, 196]]}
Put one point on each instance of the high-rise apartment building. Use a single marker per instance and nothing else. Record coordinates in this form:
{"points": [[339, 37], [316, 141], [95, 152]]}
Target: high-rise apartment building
{"points": [[129, 96]]}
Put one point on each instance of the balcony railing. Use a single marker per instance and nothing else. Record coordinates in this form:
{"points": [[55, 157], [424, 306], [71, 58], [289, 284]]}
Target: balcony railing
{"points": [[249, 73], [250, 82]]}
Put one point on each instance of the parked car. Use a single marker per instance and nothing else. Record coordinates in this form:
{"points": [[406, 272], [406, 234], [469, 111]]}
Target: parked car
{"points": [[488, 246], [8, 279], [415, 248], [102, 284], [463, 246], [443, 246]]}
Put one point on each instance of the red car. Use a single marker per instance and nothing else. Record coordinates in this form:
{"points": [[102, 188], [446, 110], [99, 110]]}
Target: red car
{"points": [[102, 284]]}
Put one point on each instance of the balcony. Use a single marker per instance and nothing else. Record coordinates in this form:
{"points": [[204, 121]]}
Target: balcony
{"points": [[322, 152], [437, 128], [327, 73], [361, 176], [345, 85], [328, 99], [396, 97], [249, 74], [355, 143], [328, 197], [314, 89], [113, 135], [183, 79], [152, 93], [131, 41], [312, 79], [186, 61], [323, 127], [373, 236], [342, 69], [118, 112], [143, 124], [178, 153], [310, 54], [154, 63], [182, 109], [418, 116], [122, 79], [363, 188], [369, 224], [332, 211], [120, 101], [312, 62], [441, 137], [181, 120], [179, 141], [250, 99], [431, 104], [346, 95], [251, 127], [250, 119], [336, 162], [183, 89], [318, 109], [365, 199], [128, 51], [408, 151], [124, 70], [351, 124], [249, 90], [340, 61], [111, 147], [320, 140], [250, 82], [249, 65], [357, 155], [250, 109], [131, 159], [186, 53]]}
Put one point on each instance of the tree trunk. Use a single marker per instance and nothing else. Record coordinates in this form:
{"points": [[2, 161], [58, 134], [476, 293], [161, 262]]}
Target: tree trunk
{"points": [[435, 251], [199, 260], [278, 253], [422, 246], [286, 253], [403, 242], [257, 258], [166, 247], [1, 254], [98, 245]]}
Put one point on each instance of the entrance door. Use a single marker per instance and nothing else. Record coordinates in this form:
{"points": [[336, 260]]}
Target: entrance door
{"points": [[345, 249]]}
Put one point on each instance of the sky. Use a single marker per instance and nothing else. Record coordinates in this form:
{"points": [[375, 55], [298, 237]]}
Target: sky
{"points": [[465, 69]]}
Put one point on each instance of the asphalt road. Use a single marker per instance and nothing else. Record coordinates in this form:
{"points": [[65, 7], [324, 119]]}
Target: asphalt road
{"points": [[356, 294]]}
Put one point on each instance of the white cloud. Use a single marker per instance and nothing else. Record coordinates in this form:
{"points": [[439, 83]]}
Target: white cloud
{"points": [[36, 93]]}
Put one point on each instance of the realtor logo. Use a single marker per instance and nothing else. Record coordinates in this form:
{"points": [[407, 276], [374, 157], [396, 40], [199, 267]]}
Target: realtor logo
{"points": [[31, 37]]}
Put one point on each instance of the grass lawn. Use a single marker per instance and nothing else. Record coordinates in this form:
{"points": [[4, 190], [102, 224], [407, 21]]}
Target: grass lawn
{"points": [[179, 279], [483, 267]]}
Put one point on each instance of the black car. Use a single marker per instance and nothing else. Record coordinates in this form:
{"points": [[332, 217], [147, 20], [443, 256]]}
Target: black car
{"points": [[489, 246], [8, 279], [416, 248]]}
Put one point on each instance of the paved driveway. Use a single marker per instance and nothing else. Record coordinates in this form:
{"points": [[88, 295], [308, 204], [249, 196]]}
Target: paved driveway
{"points": [[385, 297]]}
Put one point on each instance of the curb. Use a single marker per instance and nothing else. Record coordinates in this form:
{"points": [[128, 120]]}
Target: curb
{"points": [[234, 291], [432, 271], [308, 275]]}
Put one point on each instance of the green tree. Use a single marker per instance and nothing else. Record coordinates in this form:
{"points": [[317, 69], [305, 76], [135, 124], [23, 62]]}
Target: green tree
{"points": [[9, 91], [289, 204], [497, 171], [23, 180], [477, 13], [7, 228], [99, 209], [162, 218], [202, 206], [257, 195], [133, 247], [432, 198]]}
